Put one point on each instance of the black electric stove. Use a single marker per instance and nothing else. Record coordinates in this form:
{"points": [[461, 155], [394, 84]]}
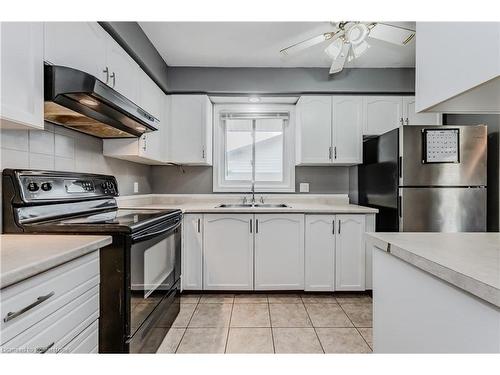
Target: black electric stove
{"points": [[140, 270]]}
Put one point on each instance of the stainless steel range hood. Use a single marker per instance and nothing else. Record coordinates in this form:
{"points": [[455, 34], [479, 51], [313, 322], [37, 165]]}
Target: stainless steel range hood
{"points": [[79, 101]]}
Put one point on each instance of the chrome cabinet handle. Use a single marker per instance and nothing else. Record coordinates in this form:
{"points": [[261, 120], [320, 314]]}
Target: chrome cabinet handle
{"points": [[333, 226], [330, 153], [340, 223], [251, 231], [39, 300], [407, 122], [256, 225], [144, 145], [203, 153], [113, 75], [107, 74], [401, 121], [199, 224], [45, 349], [335, 152]]}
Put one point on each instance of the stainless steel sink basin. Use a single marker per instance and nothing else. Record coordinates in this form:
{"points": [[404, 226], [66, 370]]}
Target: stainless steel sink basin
{"points": [[249, 205]]}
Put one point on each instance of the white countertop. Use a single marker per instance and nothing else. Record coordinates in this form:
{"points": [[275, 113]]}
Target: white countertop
{"points": [[24, 255], [470, 261], [207, 203]]}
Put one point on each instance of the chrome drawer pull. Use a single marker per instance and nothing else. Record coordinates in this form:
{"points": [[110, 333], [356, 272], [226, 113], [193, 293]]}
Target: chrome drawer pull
{"points": [[45, 349], [39, 300]]}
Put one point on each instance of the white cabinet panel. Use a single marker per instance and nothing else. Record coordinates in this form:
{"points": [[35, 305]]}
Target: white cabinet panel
{"points": [[192, 252], [21, 91], [347, 128], [413, 118], [228, 252], [320, 253], [369, 227], [78, 45], [350, 253], [279, 251], [124, 71], [382, 114], [190, 130], [314, 129]]}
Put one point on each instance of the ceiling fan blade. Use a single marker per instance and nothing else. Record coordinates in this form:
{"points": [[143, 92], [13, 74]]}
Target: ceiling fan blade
{"points": [[307, 43], [391, 34], [339, 62]]}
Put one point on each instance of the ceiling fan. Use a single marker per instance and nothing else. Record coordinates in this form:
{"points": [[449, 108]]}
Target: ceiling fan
{"points": [[349, 40]]}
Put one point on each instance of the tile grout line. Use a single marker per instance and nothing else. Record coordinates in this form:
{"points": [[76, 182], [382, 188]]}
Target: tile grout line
{"points": [[271, 324], [354, 325], [314, 328], [187, 326], [229, 327]]}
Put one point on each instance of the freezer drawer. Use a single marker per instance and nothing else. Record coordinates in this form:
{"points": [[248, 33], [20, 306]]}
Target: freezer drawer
{"points": [[469, 171], [442, 209]]}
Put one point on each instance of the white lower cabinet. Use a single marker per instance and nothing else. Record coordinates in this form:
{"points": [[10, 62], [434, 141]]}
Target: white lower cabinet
{"points": [[279, 251], [192, 252], [313, 252], [228, 252], [350, 252], [51, 312], [320, 253]]}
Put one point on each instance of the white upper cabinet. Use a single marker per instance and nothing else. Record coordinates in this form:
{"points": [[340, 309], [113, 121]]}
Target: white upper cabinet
{"points": [[320, 253], [124, 74], [78, 45], [192, 252], [411, 117], [457, 67], [190, 130], [279, 251], [347, 128], [382, 113], [228, 252], [21, 91], [350, 252], [314, 129]]}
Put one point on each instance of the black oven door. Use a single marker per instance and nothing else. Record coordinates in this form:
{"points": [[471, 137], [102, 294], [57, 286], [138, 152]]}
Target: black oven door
{"points": [[154, 279]]}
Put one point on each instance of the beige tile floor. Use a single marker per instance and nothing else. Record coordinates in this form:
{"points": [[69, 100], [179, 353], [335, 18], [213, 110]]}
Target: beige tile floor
{"points": [[274, 323]]}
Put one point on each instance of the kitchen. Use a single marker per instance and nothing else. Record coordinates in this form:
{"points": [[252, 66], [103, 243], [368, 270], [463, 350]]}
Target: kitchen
{"points": [[164, 199]]}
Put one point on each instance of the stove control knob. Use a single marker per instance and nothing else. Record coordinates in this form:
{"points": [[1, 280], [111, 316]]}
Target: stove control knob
{"points": [[46, 186], [33, 186]]}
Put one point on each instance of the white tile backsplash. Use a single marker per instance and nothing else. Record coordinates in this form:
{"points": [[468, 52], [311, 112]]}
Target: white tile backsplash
{"points": [[58, 148]]}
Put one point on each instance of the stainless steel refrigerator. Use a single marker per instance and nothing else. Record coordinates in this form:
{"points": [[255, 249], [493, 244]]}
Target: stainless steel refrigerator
{"points": [[426, 178]]}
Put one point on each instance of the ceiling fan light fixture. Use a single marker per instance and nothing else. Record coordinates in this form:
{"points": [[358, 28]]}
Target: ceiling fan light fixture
{"points": [[333, 50], [359, 49], [357, 33]]}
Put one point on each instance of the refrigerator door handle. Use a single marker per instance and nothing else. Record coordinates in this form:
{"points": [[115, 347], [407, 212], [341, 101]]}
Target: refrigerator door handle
{"points": [[400, 208], [400, 166]]}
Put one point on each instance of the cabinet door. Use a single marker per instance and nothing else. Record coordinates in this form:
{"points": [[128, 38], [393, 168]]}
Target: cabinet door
{"points": [[382, 114], [21, 90], [279, 252], [153, 100], [124, 73], [413, 118], [347, 128], [192, 249], [314, 130], [190, 130], [350, 253], [320, 253], [78, 45], [228, 252]]}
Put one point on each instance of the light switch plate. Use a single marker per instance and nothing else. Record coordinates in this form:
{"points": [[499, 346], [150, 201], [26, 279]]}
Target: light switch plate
{"points": [[136, 187], [304, 187]]}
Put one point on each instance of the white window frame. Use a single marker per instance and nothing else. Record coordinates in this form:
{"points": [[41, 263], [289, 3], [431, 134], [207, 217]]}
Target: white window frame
{"points": [[219, 182]]}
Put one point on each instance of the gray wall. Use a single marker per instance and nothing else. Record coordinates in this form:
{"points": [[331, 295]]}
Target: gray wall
{"points": [[199, 180], [57, 148], [131, 37], [493, 122], [290, 80]]}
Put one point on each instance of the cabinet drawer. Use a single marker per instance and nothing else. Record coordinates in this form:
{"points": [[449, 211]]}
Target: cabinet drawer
{"points": [[85, 342], [58, 329], [32, 300]]}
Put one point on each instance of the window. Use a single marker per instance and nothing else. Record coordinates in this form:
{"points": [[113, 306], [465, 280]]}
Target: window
{"points": [[253, 144]]}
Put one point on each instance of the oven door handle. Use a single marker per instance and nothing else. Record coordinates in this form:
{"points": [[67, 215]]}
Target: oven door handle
{"points": [[148, 235]]}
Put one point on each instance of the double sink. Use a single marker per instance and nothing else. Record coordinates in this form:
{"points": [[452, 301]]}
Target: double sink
{"points": [[250, 205]]}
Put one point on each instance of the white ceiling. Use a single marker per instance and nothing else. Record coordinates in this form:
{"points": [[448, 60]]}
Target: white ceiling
{"points": [[257, 44]]}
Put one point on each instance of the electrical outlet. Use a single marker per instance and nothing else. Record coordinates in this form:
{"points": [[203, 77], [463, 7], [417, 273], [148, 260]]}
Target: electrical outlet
{"points": [[304, 187], [136, 187]]}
